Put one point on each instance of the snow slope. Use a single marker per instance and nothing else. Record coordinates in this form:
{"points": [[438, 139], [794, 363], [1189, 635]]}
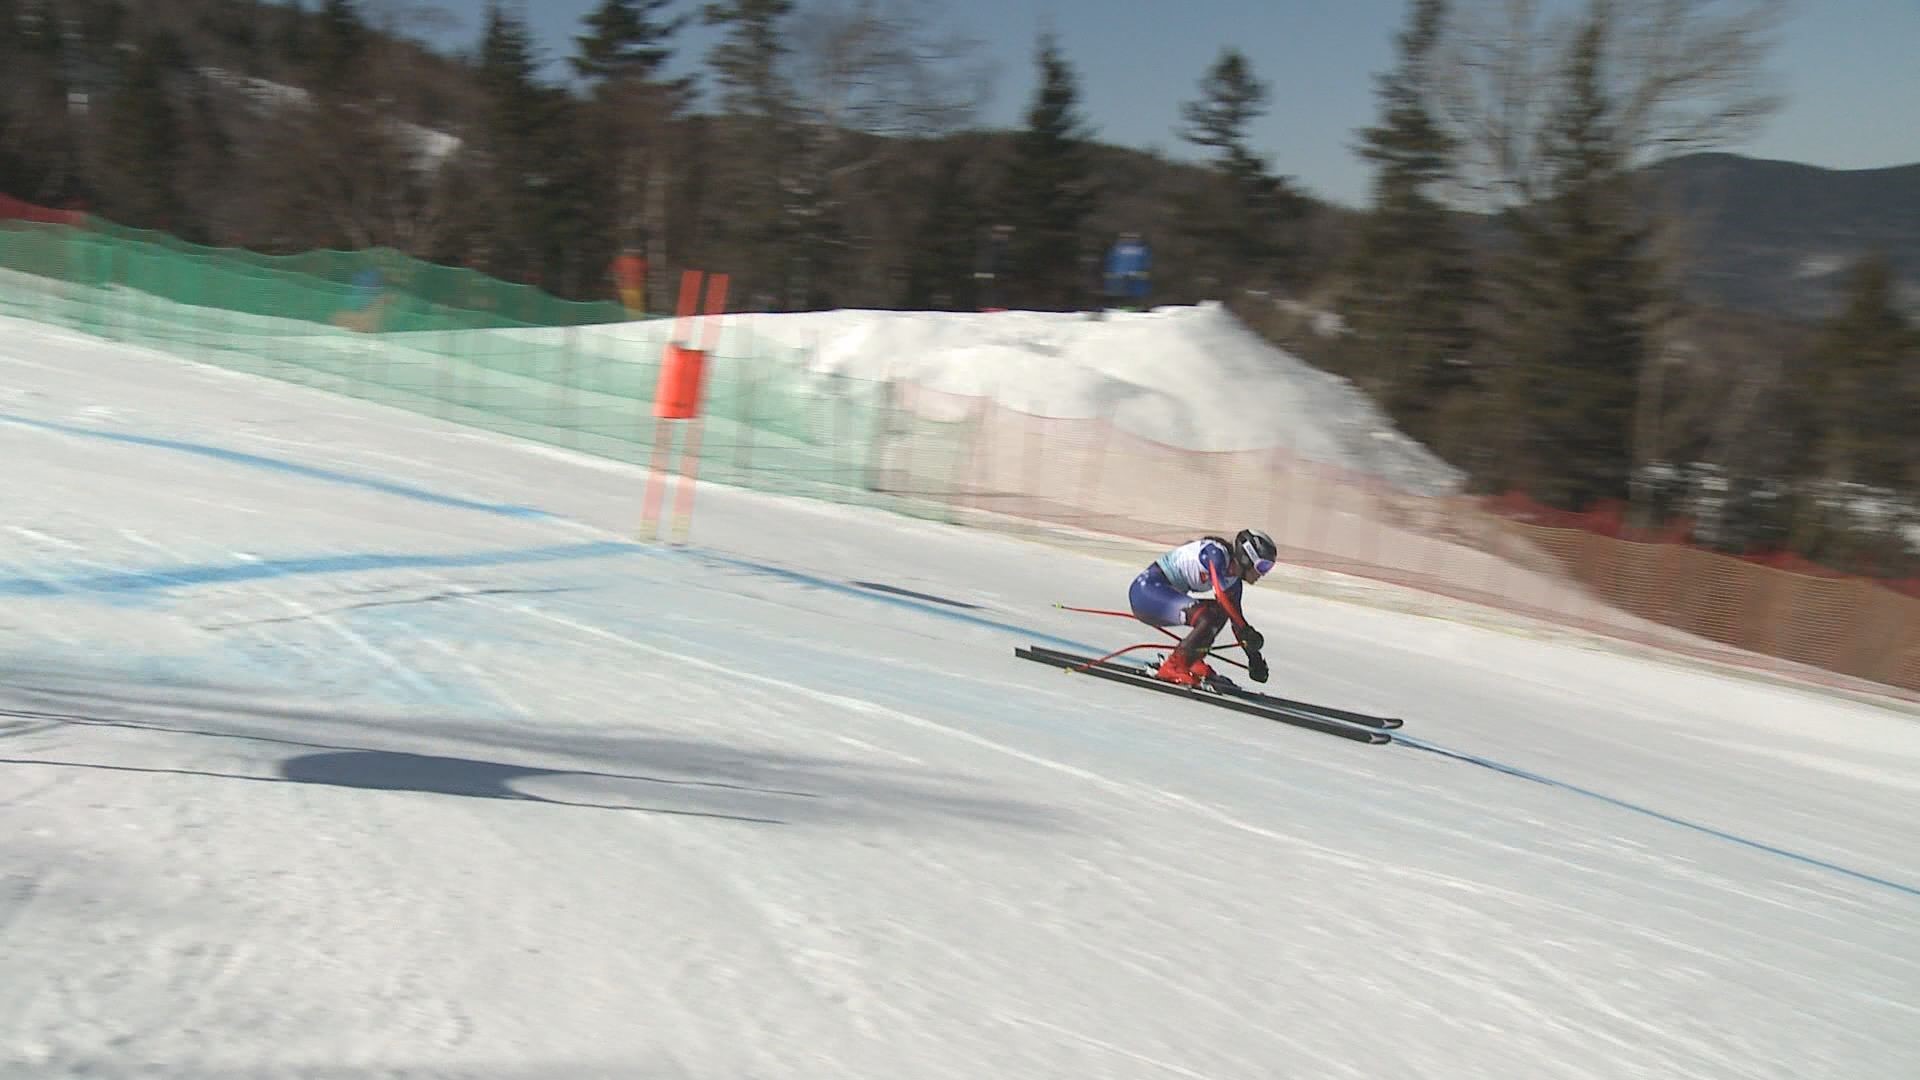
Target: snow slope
{"points": [[336, 741]]}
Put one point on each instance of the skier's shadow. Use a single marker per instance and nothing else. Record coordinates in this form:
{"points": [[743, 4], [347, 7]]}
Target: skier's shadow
{"points": [[387, 770]]}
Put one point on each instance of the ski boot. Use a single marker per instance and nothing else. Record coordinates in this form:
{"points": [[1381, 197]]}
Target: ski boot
{"points": [[1179, 671]]}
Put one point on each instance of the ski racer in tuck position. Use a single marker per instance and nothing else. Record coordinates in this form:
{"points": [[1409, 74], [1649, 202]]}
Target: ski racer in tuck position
{"points": [[1165, 595]]}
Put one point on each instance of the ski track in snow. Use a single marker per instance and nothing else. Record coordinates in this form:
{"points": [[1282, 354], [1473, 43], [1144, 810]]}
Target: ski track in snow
{"points": [[316, 761]]}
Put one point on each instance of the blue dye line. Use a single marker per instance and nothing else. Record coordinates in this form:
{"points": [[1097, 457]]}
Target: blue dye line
{"points": [[801, 578], [1537, 778], [1405, 740], [258, 461], [136, 581]]}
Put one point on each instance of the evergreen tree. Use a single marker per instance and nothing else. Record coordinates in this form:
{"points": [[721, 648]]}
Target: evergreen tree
{"points": [[235, 25], [771, 221], [747, 60], [1048, 193], [571, 212], [1858, 395], [13, 164], [1864, 374], [1242, 220], [38, 143], [629, 124], [940, 270], [142, 146], [514, 115], [1410, 283], [342, 43], [626, 39], [1584, 302], [291, 43]]}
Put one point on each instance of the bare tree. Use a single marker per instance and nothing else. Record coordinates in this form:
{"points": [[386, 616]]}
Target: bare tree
{"points": [[371, 169], [1683, 76], [887, 68], [1647, 80], [366, 180], [873, 80]]}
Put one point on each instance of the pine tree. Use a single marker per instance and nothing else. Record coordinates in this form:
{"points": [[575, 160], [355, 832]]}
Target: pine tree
{"points": [[772, 215], [1864, 378], [626, 40], [1242, 220], [1584, 302], [1859, 391], [573, 234], [629, 123], [13, 164], [1048, 193], [747, 59], [39, 147], [291, 43], [343, 38], [1411, 279], [142, 147], [514, 116], [941, 267]]}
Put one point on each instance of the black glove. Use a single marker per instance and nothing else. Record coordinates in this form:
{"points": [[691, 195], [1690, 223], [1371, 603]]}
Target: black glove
{"points": [[1252, 639], [1257, 667]]}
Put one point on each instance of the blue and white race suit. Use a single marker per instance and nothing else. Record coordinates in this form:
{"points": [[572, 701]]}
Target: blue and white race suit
{"points": [[1165, 591]]}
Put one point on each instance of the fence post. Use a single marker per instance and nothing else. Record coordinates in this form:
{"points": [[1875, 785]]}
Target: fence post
{"points": [[971, 473], [562, 392], [747, 421], [1276, 464], [842, 421], [1090, 475], [1316, 520]]}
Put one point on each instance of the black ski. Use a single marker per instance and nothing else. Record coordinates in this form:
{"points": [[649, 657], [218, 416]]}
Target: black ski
{"points": [[1309, 718], [1348, 715], [1227, 686]]}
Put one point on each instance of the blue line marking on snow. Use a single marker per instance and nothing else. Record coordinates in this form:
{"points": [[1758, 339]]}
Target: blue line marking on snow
{"points": [[259, 461], [800, 577], [898, 591], [149, 580], [135, 581], [1523, 774]]}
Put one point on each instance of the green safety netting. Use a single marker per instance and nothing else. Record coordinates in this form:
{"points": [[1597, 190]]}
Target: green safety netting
{"points": [[424, 285], [572, 376]]}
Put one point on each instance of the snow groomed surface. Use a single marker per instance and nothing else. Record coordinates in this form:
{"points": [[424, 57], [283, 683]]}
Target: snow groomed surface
{"points": [[338, 741]]}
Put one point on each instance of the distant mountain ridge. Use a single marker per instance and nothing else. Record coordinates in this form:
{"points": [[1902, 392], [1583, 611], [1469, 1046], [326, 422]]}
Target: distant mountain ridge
{"points": [[1778, 236]]}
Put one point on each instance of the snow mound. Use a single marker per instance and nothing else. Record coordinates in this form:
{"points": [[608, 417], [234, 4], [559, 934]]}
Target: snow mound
{"points": [[1191, 377]]}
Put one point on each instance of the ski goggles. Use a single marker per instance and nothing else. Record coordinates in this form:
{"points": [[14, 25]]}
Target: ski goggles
{"points": [[1257, 565]]}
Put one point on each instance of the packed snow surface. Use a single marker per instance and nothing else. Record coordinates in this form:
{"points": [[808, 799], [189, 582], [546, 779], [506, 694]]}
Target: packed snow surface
{"points": [[337, 741]]}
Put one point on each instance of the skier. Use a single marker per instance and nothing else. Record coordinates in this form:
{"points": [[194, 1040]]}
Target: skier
{"points": [[1163, 595]]}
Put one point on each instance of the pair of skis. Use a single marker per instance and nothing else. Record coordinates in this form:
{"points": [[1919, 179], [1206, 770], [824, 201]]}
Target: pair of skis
{"points": [[1217, 690]]}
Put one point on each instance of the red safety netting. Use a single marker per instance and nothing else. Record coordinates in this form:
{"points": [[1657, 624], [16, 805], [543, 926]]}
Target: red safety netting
{"points": [[12, 209], [1591, 572]]}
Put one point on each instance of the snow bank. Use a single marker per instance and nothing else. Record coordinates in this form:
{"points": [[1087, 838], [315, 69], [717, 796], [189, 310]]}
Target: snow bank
{"points": [[1191, 377]]}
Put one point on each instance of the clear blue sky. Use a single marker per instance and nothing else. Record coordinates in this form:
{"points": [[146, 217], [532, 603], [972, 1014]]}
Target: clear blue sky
{"points": [[1848, 69]]}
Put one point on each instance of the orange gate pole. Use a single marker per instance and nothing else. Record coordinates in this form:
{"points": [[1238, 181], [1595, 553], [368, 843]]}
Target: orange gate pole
{"points": [[679, 368], [690, 456]]}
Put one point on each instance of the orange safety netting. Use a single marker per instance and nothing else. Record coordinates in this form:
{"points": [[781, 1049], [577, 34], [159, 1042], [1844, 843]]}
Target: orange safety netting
{"points": [[12, 209], [1643, 586]]}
